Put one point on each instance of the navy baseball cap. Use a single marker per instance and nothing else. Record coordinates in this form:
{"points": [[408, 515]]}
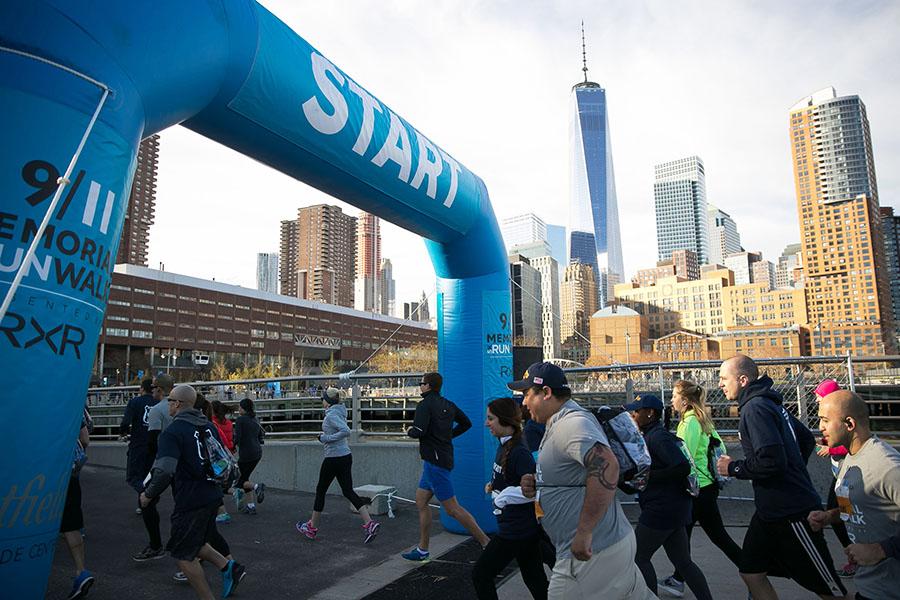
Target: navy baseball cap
{"points": [[645, 401], [542, 373]]}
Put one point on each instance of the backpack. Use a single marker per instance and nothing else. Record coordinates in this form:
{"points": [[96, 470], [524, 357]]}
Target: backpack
{"points": [[218, 462], [713, 452], [628, 446]]}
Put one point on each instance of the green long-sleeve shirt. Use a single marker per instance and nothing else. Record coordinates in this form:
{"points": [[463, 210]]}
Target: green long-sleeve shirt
{"points": [[697, 443]]}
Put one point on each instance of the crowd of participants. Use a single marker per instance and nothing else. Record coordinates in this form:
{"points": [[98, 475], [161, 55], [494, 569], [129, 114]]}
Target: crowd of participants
{"points": [[553, 487]]}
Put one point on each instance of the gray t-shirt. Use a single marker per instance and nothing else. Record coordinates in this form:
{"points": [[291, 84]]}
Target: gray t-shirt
{"points": [[560, 476], [158, 418], [868, 492]]}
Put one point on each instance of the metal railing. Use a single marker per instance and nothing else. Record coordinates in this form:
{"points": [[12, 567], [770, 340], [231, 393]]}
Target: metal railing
{"points": [[382, 405]]}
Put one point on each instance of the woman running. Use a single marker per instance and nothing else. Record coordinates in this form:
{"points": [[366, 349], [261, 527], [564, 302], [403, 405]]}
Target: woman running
{"points": [[836, 455], [338, 463], [697, 431], [517, 534], [248, 441], [665, 503], [220, 419]]}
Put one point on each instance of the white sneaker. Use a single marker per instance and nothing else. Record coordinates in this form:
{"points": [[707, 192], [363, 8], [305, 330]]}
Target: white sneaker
{"points": [[672, 586]]}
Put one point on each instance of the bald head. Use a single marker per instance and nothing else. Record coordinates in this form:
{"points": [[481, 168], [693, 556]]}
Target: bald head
{"points": [[741, 364], [845, 403], [185, 395]]}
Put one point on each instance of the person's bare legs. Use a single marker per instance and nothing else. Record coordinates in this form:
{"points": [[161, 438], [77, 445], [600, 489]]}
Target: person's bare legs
{"points": [[364, 513], [316, 515], [759, 585], [423, 497], [465, 518], [195, 576], [76, 549]]}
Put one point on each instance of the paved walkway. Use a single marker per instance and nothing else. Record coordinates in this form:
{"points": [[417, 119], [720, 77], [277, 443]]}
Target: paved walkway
{"points": [[337, 566]]}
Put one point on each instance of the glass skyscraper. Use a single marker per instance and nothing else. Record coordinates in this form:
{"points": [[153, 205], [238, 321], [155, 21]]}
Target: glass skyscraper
{"points": [[594, 237]]}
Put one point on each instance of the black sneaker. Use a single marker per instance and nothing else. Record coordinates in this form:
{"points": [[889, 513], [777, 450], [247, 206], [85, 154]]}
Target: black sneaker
{"points": [[260, 492], [149, 553]]}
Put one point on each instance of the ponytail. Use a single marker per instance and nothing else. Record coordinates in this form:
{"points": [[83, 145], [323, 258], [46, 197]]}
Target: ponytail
{"points": [[694, 397]]}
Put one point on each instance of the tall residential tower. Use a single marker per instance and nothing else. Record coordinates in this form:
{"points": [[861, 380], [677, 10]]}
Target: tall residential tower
{"points": [[846, 276], [594, 236], [135, 241]]}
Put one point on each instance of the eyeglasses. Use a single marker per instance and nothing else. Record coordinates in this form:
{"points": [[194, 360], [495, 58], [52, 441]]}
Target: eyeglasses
{"points": [[423, 383]]}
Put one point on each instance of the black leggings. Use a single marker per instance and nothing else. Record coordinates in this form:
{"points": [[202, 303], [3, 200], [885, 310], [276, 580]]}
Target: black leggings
{"points": [[840, 530], [497, 554], [340, 467], [678, 549], [150, 516], [706, 511]]}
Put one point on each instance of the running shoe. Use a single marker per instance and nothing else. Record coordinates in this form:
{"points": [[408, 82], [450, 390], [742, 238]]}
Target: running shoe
{"points": [[149, 553], [180, 577], [223, 519], [237, 495], [672, 586], [417, 555], [260, 489], [81, 585], [371, 529], [308, 530], [847, 571], [232, 575], [250, 509]]}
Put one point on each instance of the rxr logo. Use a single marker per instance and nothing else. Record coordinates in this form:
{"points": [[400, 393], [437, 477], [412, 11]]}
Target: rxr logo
{"points": [[22, 334]]}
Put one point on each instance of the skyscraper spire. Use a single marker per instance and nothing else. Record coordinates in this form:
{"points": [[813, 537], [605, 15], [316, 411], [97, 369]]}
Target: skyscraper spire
{"points": [[583, 53]]}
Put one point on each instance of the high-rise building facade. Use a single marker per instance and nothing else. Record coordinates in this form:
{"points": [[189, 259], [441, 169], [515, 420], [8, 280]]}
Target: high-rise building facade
{"points": [[578, 303], [594, 235], [741, 264], [134, 245], [321, 248], [417, 310], [267, 272], [788, 263], [890, 226], [523, 229], [724, 238], [683, 263], [845, 272], [288, 249], [368, 260], [387, 288], [550, 316], [679, 194], [526, 301], [763, 271]]}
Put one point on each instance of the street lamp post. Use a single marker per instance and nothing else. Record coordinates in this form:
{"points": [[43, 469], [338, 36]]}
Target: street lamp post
{"points": [[627, 348]]}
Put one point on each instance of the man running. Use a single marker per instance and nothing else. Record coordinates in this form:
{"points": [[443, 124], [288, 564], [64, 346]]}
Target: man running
{"points": [[576, 477], [157, 420], [180, 461], [779, 540], [134, 424], [868, 492], [437, 421]]}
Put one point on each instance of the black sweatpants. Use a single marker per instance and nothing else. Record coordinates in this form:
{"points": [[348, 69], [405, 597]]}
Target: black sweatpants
{"points": [[706, 512], [150, 515], [497, 554], [339, 467], [678, 550]]}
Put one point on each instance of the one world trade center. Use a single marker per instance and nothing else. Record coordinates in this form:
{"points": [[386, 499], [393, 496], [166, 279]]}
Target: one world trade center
{"points": [[594, 237]]}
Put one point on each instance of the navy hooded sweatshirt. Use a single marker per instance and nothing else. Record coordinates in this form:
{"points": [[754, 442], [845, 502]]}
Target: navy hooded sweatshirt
{"points": [[775, 445], [665, 503]]}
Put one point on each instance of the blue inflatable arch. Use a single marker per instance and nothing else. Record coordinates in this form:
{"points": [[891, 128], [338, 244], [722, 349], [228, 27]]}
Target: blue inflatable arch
{"points": [[80, 85]]}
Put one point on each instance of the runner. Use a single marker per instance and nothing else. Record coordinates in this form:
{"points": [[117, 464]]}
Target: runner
{"points": [[134, 425], [665, 503], [338, 463], [73, 519], [697, 431], [779, 539], [868, 491], [217, 413], [517, 536], [437, 421], [248, 441], [576, 476]]}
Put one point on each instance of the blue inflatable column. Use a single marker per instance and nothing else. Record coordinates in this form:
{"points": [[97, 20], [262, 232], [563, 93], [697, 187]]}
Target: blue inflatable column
{"points": [[48, 336]]}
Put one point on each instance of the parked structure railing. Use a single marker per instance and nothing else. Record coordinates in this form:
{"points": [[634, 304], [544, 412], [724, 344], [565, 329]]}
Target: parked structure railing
{"points": [[383, 404]]}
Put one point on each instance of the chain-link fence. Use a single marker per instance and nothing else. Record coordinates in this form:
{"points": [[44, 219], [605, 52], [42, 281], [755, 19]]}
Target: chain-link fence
{"points": [[382, 405]]}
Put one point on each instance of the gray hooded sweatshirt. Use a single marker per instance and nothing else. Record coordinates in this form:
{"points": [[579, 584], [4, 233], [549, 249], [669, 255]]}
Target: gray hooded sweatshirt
{"points": [[335, 431]]}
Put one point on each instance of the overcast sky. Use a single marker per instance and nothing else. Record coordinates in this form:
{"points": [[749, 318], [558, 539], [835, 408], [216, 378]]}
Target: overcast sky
{"points": [[490, 82]]}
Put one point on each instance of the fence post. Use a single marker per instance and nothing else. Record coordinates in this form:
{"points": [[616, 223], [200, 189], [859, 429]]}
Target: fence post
{"points": [[801, 396], [662, 385], [356, 405], [850, 373]]}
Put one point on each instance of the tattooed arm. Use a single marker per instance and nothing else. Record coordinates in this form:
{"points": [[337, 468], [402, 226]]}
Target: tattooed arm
{"points": [[600, 490]]}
